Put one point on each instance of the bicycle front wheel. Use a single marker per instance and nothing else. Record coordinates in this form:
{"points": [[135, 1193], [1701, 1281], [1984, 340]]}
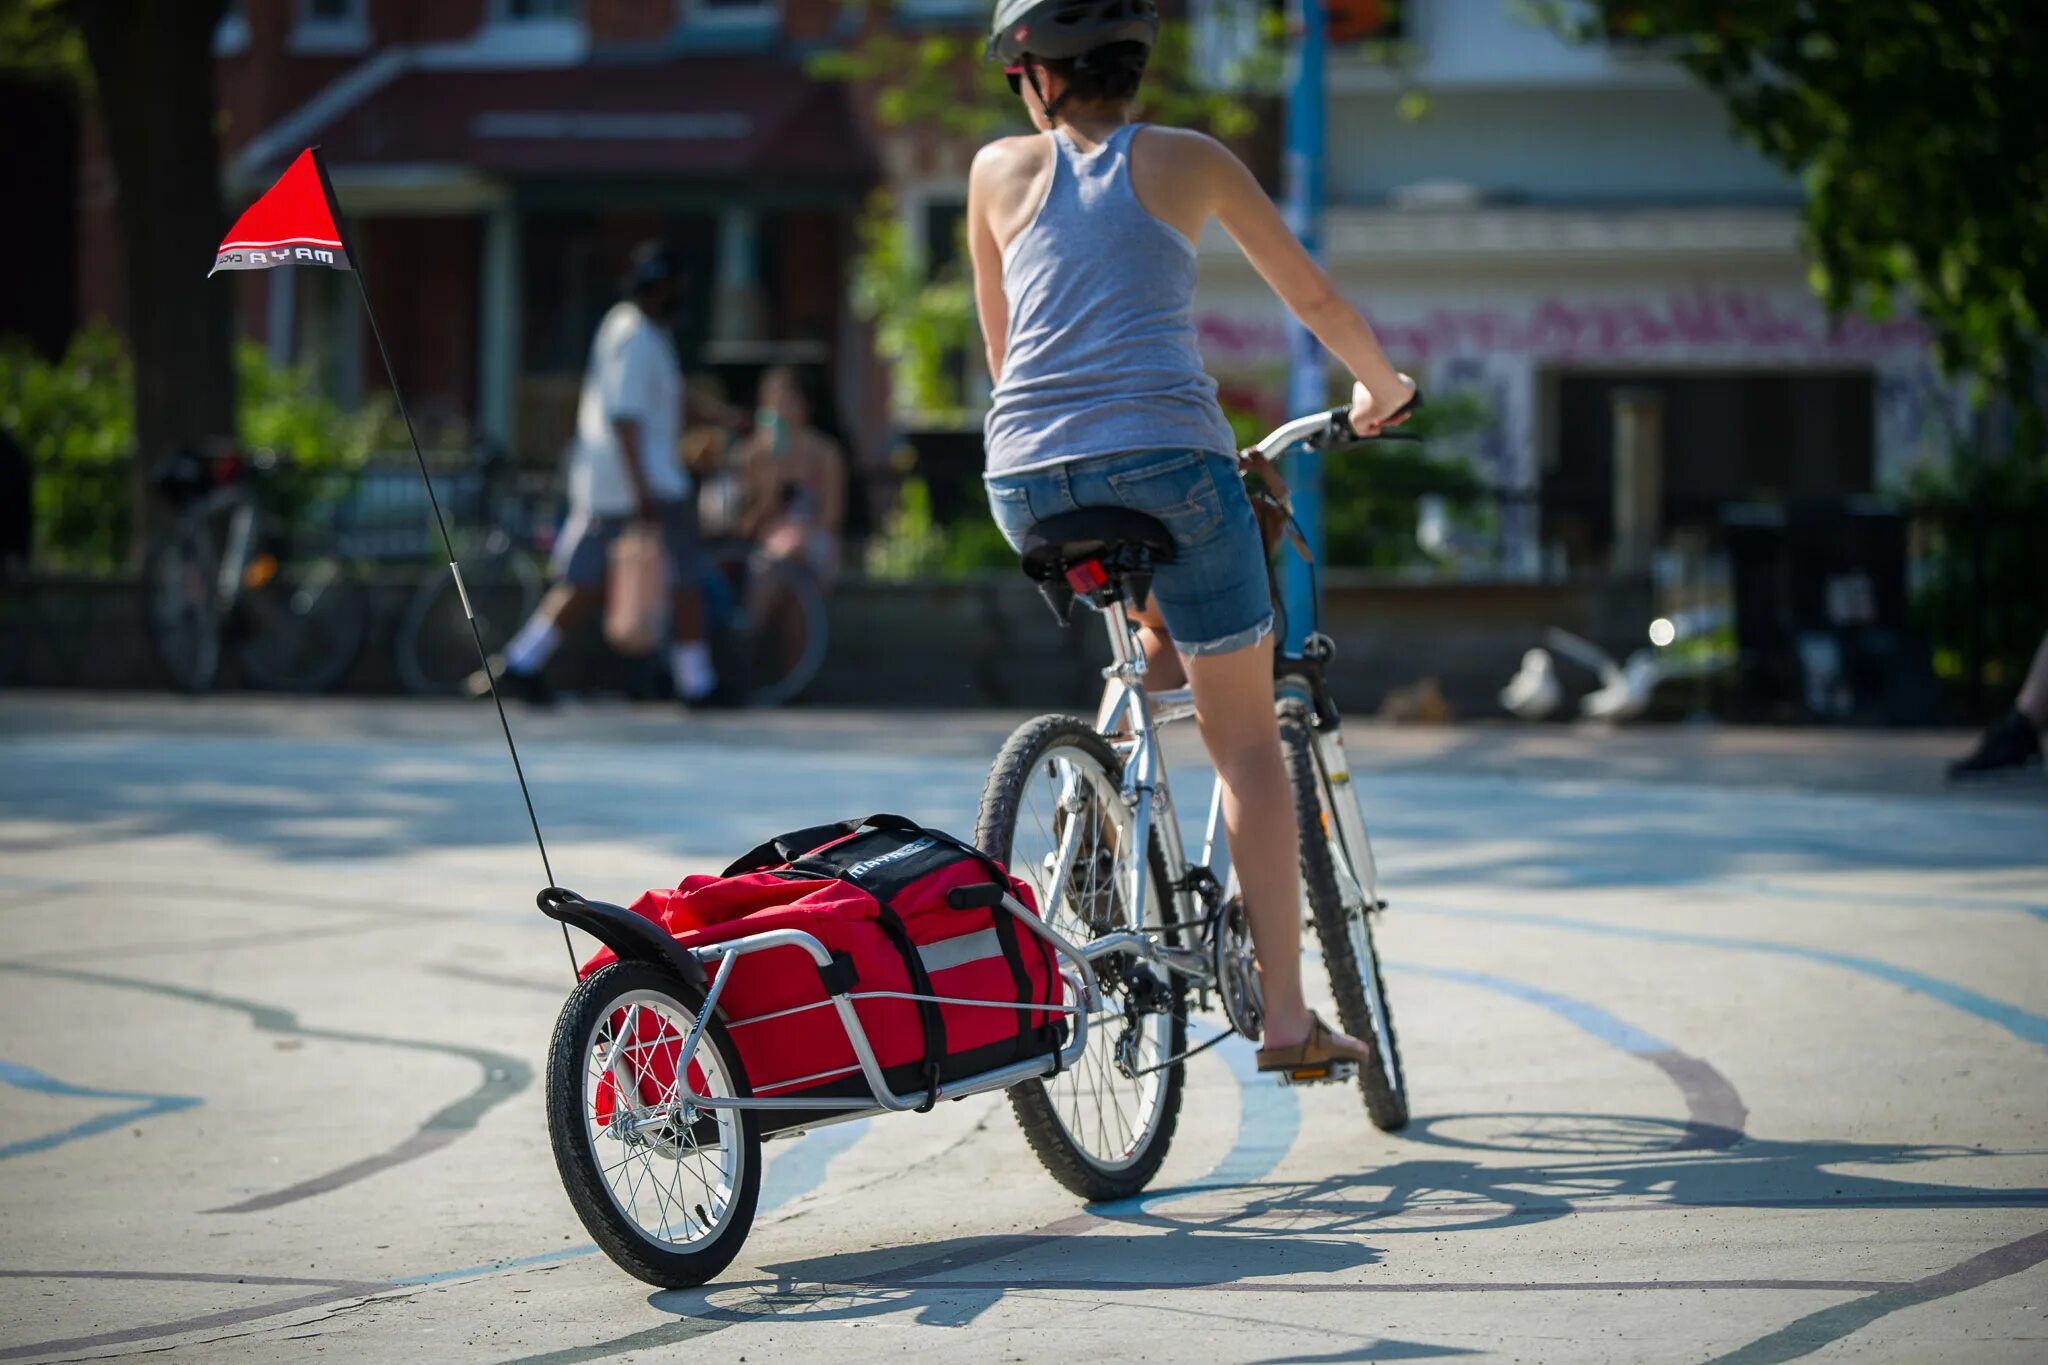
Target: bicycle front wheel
{"points": [[302, 623], [1336, 902], [1053, 812], [182, 604]]}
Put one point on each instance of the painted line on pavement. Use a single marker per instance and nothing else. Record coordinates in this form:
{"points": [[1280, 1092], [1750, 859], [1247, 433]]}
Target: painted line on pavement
{"points": [[2023, 1024], [1804, 1336], [1715, 1111], [1268, 1123], [503, 1077], [147, 1105]]}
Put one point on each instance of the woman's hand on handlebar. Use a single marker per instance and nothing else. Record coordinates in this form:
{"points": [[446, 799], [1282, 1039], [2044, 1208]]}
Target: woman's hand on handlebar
{"points": [[1370, 412]]}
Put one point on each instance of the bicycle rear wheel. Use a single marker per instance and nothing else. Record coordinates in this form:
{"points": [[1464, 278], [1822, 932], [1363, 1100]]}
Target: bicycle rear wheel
{"points": [[181, 604], [1343, 924], [1102, 1126], [302, 623], [435, 653]]}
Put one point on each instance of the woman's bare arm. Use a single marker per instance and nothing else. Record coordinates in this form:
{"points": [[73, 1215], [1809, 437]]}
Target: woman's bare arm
{"points": [[990, 304], [1241, 206]]}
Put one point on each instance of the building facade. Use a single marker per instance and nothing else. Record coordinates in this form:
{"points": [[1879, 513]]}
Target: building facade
{"points": [[1563, 226], [497, 159], [1563, 229]]}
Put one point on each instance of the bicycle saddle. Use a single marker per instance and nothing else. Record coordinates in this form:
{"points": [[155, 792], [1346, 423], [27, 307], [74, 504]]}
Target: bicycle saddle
{"points": [[1102, 553]]}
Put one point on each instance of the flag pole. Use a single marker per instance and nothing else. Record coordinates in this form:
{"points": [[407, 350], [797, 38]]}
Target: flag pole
{"points": [[355, 262]]}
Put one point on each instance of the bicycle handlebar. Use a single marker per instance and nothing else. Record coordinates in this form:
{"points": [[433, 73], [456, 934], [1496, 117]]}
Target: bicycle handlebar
{"points": [[1322, 430]]}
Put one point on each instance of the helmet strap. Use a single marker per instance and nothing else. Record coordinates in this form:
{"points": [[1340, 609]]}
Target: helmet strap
{"points": [[1051, 107]]}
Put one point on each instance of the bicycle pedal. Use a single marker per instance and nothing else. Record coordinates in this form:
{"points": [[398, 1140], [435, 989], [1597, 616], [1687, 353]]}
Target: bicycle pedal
{"points": [[1335, 1073]]}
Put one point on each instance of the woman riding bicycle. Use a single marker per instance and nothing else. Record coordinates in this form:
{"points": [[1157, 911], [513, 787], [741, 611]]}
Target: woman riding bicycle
{"points": [[1082, 241]]}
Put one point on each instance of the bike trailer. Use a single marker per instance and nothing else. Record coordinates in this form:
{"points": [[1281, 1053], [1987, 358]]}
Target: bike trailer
{"points": [[943, 990]]}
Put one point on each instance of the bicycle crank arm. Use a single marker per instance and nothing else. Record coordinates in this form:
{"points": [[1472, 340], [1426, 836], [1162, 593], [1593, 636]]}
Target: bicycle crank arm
{"points": [[1187, 962]]}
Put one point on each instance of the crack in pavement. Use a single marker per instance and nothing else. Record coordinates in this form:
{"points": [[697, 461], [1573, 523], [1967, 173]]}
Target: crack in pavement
{"points": [[328, 1291], [503, 1077]]}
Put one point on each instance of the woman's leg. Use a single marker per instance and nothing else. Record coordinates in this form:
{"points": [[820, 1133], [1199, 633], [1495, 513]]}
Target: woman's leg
{"points": [[1164, 670], [1234, 707]]}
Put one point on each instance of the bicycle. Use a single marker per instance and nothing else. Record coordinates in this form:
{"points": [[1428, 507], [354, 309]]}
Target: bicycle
{"points": [[1068, 805], [228, 571], [669, 1185], [768, 622], [435, 653]]}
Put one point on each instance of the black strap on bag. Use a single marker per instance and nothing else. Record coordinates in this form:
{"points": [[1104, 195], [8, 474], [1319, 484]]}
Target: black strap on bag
{"points": [[928, 1015], [787, 848]]}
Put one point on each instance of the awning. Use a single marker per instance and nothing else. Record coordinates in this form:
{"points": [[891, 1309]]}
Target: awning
{"points": [[729, 118]]}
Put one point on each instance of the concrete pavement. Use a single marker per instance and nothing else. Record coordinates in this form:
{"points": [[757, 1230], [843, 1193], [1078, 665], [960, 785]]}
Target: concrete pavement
{"points": [[1723, 1046]]}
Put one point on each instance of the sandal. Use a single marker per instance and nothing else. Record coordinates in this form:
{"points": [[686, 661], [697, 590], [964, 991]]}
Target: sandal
{"points": [[1311, 1060]]}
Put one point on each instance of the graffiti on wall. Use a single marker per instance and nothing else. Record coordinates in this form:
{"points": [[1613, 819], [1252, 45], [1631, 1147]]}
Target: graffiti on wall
{"points": [[1726, 326]]}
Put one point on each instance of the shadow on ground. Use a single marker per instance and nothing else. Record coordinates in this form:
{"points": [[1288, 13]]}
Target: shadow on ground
{"points": [[1305, 1236]]}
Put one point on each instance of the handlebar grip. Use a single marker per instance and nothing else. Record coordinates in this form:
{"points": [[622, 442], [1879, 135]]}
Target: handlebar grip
{"points": [[1342, 432]]}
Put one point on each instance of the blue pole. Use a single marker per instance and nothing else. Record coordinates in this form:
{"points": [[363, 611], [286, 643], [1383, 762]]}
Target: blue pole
{"points": [[1307, 368]]}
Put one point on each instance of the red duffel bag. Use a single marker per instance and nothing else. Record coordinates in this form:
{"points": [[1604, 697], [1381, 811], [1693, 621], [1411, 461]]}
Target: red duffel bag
{"points": [[874, 892]]}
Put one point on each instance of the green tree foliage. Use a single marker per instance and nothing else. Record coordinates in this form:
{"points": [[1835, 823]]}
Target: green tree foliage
{"points": [[1919, 131], [38, 40], [939, 80], [76, 420], [1371, 494], [923, 321]]}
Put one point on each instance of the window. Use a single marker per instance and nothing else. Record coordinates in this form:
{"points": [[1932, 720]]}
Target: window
{"points": [[941, 11], [730, 13], [547, 32], [232, 34], [324, 26], [530, 11], [1364, 21]]}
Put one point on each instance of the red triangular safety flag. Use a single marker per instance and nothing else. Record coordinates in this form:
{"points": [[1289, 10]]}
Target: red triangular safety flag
{"points": [[292, 224]]}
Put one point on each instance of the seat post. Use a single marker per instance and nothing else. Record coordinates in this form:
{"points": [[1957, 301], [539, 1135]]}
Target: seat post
{"points": [[1129, 667]]}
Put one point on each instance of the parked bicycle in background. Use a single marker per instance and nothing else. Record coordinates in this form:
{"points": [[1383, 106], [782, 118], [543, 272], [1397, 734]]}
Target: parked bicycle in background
{"points": [[244, 572], [495, 534]]}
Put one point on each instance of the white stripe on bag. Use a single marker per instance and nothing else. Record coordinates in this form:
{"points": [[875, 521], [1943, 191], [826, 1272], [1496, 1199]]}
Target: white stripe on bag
{"points": [[958, 952]]}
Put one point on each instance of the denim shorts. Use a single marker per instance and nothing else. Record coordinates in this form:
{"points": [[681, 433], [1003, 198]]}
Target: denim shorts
{"points": [[1215, 595]]}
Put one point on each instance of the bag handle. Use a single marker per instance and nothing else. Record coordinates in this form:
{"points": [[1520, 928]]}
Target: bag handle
{"points": [[787, 848]]}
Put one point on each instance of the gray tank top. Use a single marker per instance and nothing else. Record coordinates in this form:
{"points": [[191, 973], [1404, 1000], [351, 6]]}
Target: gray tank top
{"points": [[1101, 353]]}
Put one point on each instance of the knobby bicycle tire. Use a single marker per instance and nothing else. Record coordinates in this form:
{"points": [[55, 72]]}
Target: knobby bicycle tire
{"points": [[1036, 1112], [1386, 1099]]}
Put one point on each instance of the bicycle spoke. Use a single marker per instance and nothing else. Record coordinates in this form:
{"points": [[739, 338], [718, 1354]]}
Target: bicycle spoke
{"points": [[650, 1181]]}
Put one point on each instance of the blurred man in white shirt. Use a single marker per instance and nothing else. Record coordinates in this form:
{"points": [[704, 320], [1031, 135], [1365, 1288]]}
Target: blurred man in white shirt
{"points": [[624, 470]]}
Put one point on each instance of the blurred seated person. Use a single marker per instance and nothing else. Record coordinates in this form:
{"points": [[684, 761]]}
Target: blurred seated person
{"points": [[711, 455], [794, 478]]}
